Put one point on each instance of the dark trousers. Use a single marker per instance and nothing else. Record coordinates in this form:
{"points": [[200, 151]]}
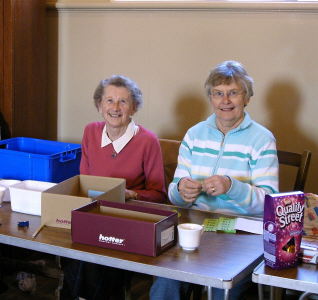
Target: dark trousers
{"points": [[92, 281]]}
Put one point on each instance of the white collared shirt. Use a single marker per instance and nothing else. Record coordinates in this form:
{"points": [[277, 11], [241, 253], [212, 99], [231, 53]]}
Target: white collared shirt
{"points": [[121, 142]]}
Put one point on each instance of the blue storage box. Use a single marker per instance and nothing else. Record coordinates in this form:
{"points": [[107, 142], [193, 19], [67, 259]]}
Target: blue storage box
{"points": [[35, 159]]}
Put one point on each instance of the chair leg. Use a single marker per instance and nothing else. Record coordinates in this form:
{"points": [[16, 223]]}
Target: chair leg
{"points": [[127, 285], [276, 293], [60, 286], [197, 292]]}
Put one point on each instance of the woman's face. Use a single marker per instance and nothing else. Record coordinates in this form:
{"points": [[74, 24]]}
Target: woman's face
{"points": [[117, 107], [228, 102]]}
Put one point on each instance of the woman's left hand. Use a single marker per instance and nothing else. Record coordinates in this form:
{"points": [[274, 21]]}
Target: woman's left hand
{"points": [[216, 185]]}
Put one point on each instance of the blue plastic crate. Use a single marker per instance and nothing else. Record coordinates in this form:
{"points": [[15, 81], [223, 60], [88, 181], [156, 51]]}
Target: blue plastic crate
{"points": [[35, 159]]}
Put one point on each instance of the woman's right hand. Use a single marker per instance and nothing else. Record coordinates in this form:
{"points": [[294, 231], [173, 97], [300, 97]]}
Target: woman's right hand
{"points": [[189, 189], [131, 195]]}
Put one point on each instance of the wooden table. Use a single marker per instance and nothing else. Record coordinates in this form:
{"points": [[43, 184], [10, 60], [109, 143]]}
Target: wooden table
{"points": [[221, 261], [303, 278]]}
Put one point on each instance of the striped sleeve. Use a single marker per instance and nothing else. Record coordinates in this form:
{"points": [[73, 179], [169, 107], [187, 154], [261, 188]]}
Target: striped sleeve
{"points": [[249, 197], [183, 170]]}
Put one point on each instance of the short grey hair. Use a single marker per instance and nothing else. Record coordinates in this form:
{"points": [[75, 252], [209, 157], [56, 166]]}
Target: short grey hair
{"points": [[119, 81], [227, 72]]}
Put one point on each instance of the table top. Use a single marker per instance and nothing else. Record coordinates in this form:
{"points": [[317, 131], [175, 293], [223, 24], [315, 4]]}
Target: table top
{"points": [[221, 260], [304, 277]]}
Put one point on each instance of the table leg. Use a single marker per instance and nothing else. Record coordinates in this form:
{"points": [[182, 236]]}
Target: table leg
{"points": [[209, 292], [226, 294], [260, 291]]}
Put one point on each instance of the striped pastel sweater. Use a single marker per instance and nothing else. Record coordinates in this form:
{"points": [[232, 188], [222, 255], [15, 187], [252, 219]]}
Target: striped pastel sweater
{"points": [[247, 154]]}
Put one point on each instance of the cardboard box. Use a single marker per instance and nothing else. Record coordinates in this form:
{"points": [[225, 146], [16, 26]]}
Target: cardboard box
{"points": [[58, 201], [283, 228], [125, 227]]}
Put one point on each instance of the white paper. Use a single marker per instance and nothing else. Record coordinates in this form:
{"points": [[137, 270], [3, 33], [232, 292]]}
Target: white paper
{"points": [[253, 226], [167, 236]]}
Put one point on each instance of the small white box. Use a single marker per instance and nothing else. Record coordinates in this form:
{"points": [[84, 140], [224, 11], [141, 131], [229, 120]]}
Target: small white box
{"points": [[6, 183], [2, 191], [26, 196]]}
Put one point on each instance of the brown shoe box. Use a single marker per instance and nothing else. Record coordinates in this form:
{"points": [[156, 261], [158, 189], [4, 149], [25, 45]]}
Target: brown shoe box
{"points": [[125, 227]]}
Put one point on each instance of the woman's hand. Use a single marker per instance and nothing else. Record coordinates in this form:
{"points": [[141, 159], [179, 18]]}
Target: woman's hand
{"points": [[216, 185], [189, 189], [130, 194]]}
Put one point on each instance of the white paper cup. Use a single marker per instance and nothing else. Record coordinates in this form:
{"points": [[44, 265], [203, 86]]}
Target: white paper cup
{"points": [[189, 236], [2, 190]]}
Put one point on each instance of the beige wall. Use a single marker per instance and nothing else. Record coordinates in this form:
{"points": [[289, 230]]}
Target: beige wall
{"points": [[169, 54]]}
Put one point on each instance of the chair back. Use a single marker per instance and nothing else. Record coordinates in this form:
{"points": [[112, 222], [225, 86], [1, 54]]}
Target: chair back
{"points": [[299, 160], [170, 152]]}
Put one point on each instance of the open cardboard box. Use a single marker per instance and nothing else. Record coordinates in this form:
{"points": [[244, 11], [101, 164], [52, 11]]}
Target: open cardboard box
{"points": [[125, 227], [58, 201]]}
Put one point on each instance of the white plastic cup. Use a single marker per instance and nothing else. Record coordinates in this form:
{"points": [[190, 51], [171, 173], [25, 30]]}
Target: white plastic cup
{"points": [[189, 236]]}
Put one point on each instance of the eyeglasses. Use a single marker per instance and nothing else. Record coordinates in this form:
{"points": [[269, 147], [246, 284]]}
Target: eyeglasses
{"points": [[232, 94]]}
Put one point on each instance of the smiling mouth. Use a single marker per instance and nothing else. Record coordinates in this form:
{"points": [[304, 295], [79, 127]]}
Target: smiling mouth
{"points": [[227, 109], [114, 115]]}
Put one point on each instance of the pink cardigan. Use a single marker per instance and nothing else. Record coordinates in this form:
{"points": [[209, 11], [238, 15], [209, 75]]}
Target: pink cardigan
{"points": [[139, 162]]}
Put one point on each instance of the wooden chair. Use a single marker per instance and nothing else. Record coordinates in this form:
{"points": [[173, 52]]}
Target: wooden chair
{"points": [[299, 160], [170, 152]]}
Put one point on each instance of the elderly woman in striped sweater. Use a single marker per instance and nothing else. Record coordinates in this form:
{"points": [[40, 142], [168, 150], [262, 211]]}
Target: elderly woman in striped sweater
{"points": [[226, 163]]}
